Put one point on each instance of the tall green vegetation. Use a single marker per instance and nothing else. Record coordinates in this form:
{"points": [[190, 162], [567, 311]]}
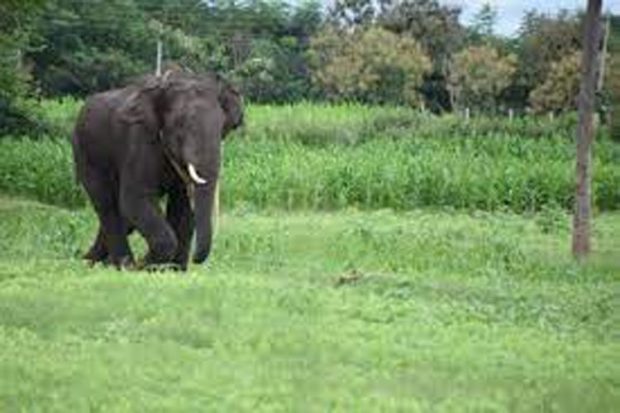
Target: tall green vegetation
{"points": [[310, 156]]}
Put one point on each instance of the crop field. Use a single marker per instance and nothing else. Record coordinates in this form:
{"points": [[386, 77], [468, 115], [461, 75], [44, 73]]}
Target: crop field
{"points": [[332, 157], [365, 260]]}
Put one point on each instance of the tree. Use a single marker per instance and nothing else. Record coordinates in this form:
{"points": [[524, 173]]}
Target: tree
{"points": [[16, 32], [84, 47], [543, 39], [585, 130], [437, 29], [371, 65], [479, 75], [354, 13], [269, 73], [559, 90], [484, 20]]}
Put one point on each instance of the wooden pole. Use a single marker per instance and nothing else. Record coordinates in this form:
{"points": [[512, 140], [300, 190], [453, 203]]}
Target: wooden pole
{"points": [[585, 131]]}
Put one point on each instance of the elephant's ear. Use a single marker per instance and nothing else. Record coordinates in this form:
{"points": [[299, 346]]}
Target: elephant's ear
{"points": [[132, 110], [232, 104], [143, 103]]}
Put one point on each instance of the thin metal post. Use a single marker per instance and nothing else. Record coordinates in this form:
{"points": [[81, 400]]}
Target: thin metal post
{"points": [[159, 56]]}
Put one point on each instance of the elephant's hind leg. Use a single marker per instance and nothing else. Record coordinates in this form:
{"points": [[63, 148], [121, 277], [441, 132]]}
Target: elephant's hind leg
{"points": [[112, 237]]}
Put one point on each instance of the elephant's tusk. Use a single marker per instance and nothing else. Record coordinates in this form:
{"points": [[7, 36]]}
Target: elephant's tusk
{"points": [[194, 175]]}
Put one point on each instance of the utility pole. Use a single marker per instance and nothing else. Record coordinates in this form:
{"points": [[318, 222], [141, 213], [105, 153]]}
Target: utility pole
{"points": [[585, 131], [159, 55], [160, 46]]}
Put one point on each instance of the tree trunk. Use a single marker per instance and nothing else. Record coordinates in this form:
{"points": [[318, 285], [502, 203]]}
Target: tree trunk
{"points": [[585, 130]]}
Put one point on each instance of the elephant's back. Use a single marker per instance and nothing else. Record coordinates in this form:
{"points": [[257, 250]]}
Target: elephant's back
{"points": [[98, 130]]}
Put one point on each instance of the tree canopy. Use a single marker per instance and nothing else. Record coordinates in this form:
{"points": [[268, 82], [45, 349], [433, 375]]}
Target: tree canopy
{"points": [[388, 51]]}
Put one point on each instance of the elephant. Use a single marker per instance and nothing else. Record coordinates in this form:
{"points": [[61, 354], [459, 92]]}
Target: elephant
{"points": [[158, 137]]}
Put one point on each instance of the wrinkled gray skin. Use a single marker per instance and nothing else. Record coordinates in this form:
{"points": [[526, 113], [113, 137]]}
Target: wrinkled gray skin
{"points": [[125, 143]]}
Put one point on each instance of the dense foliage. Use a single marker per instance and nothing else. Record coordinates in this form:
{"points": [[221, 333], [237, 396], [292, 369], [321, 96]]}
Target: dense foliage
{"points": [[478, 77], [417, 52], [372, 65], [561, 86]]}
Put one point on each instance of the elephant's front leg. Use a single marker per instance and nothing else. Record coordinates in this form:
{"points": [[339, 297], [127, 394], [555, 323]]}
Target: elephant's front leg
{"points": [[142, 211], [181, 218]]}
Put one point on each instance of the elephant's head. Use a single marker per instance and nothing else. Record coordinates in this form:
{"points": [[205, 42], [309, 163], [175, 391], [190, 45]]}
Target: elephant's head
{"points": [[192, 114]]}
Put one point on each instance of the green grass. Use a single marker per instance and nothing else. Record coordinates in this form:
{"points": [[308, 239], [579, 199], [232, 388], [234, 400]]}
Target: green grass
{"points": [[343, 311]]}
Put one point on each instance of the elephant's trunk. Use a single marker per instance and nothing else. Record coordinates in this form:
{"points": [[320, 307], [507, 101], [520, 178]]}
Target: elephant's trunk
{"points": [[203, 207], [202, 163]]}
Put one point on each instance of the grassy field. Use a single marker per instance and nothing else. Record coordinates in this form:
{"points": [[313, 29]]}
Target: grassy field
{"points": [[369, 259], [343, 311]]}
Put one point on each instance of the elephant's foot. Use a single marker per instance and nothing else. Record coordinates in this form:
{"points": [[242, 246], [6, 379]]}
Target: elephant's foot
{"points": [[164, 267], [162, 254], [94, 256], [126, 262], [92, 261], [144, 265]]}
